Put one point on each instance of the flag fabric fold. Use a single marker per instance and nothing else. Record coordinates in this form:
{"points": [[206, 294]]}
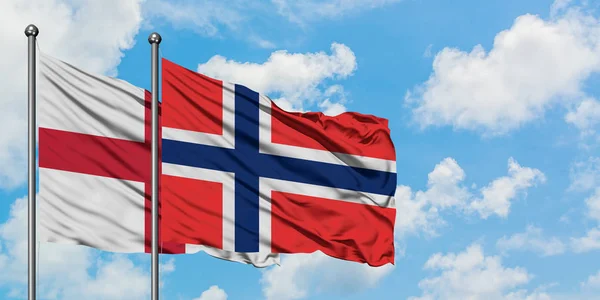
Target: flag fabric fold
{"points": [[94, 165], [240, 174]]}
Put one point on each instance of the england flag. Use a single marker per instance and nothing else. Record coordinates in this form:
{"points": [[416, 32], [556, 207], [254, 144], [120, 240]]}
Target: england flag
{"points": [[240, 174]]}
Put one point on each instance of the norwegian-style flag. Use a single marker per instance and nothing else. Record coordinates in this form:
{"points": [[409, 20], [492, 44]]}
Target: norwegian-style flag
{"points": [[240, 174], [95, 165]]}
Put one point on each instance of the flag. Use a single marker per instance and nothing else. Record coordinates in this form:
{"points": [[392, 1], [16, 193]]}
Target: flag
{"points": [[240, 174], [95, 164]]}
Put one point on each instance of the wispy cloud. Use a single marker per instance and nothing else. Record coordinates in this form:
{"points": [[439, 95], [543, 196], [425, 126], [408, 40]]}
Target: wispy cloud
{"points": [[205, 17], [301, 12], [244, 18], [532, 240]]}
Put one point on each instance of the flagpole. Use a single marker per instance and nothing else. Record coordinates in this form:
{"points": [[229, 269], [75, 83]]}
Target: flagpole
{"points": [[154, 39], [31, 32]]}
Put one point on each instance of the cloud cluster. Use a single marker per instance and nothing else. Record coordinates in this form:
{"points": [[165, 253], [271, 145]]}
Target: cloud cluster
{"points": [[420, 211], [473, 275], [496, 196], [532, 67]]}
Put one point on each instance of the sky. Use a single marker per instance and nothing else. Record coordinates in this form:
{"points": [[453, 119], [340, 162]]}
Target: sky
{"points": [[494, 110]]}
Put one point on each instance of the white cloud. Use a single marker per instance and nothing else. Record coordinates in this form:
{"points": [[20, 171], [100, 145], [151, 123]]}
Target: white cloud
{"points": [[428, 50], [497, 195], [586, 116], [525, 295], [66, 271], [420, 211], [532, 240], [443, 185], [589, 242], [167, 267], [73, 31], [333, 105], [301, 274], [286, 105], [472, 275], [532, 66], [415, 214], [213, 293], [309, 10], [559, 6], [332, 109], [262, 43], [593, 205], [585, 175], [297, 77], [593, 282]]}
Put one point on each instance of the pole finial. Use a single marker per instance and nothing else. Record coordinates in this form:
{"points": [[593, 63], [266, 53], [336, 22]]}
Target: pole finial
{"points": [[154, 38], [31, 30]]}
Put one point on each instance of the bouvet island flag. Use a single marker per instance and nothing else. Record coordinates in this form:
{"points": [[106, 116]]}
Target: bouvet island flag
{"points": [[242, 175], [95, 167]]}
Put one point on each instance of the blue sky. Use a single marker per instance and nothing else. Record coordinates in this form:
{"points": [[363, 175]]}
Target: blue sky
{"points": [[493, 109]]}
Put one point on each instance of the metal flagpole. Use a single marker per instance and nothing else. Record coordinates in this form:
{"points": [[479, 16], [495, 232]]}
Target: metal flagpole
{"points": [[154, 39], [31, 32]]}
